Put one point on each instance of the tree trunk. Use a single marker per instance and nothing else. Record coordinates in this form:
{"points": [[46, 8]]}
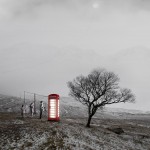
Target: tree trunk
{"points": [[89, 121]]}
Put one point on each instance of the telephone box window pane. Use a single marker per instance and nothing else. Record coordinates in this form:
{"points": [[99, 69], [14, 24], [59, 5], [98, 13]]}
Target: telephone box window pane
{"points": [[52, 108]]}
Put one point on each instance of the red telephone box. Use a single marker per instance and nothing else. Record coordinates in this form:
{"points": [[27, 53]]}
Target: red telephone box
{"points": [[53, 107]]}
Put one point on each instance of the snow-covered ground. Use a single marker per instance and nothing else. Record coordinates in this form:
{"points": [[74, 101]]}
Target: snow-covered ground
{"points": [[70, 133]]}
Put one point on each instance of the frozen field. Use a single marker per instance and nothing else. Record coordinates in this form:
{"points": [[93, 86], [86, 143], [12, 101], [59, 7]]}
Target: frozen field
{"points": [[70, 133]]}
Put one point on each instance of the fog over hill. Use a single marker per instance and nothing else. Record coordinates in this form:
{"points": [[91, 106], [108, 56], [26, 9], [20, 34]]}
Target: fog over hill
{"points": [[38, 76], [45, 44], [132, 67]]}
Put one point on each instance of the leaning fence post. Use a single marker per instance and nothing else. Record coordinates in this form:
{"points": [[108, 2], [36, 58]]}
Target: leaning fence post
{"points": [[34, 103]]}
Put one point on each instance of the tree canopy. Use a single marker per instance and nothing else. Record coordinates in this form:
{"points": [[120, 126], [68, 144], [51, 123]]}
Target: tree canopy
{"points": [[98, 89]]}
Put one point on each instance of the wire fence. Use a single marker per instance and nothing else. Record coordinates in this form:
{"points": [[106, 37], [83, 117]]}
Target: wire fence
{"points": [[35, 98]]}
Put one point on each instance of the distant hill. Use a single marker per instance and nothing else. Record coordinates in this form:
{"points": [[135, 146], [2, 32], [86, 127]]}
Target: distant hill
{"points": [[70, 132], [68, 108]]}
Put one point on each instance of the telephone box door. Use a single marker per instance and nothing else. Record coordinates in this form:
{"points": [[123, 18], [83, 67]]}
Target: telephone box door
{"points": [[53, 107]]}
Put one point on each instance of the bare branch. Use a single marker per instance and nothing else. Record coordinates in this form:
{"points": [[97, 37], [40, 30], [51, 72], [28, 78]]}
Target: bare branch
{"points": [[98, 89]]}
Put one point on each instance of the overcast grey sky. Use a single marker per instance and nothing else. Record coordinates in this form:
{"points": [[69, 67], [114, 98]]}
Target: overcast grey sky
{"points": [[45, 43]]}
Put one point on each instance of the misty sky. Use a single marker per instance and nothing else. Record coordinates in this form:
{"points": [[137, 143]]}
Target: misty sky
{"points": [[46, 43]]}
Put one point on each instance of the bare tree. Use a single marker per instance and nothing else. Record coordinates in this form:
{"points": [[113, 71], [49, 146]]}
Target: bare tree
{"points": [[98, 89]]}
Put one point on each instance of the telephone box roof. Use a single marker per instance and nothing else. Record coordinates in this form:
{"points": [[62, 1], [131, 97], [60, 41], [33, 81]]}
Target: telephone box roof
{"points": [[53, 95]]}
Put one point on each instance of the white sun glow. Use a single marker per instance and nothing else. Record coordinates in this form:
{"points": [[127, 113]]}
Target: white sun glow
{"points": [[95, 5]]}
